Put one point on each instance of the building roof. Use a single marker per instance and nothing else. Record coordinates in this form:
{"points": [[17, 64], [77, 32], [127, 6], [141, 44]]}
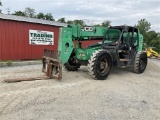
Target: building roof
{"points": [[31, 20]]}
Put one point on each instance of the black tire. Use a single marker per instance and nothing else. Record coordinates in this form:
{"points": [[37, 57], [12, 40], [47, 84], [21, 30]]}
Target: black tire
{"points": [[140, 62], [100, 64], [71, 65]]}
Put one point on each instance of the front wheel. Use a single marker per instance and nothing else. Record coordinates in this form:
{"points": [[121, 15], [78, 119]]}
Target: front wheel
{"points": [[99, 65], [72, 65], [140, 62]]}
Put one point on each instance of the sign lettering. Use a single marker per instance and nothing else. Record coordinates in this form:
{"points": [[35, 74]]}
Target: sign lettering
{"points": [[37, 37]]}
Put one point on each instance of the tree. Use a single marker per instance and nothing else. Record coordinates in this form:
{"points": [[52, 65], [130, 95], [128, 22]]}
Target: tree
{"points": [[150, 35], [19, 13], [70, 22], [151, 38], [144, 26], [29, 12], [81, 22], [62, 20], [157, 44], [97, 25], [106, 23], [49, 16], [0, 5], [40, 16]]}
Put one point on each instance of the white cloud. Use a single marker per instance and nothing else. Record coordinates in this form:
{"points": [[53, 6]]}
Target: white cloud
{"points": [[118, 11]]}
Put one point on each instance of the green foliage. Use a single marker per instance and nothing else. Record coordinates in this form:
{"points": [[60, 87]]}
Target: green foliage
{"points": [[40, 15], [62, 20], [143, 26], [70, 22], [18, 13], [106, 23], [81, 22], [0, 5], [49, 16], [151, 38], [97, 25], [9, 63], [29, 12], [150, 35], [156, 43]]}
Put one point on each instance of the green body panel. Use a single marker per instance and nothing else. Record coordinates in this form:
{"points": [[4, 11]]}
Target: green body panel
{"points": [[85, 53], [74, 32], [140, 46], [79, 33], [65, 44]]}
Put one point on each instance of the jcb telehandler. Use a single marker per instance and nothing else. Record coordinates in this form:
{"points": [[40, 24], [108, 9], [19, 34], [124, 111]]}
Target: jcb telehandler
{"points": [[121, 46]]}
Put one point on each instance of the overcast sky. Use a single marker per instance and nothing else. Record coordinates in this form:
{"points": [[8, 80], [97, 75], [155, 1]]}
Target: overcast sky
{"points": [[119, 12]]}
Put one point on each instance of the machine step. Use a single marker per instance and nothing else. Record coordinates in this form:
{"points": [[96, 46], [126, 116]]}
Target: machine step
{"points": [[125, 60]]}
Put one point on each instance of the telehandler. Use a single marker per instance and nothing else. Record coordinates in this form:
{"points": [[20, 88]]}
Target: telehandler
{"points": [[121, 46]]}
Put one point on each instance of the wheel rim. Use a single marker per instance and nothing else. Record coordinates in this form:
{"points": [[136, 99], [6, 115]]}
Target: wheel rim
{"points": [[103, 66], [72, 61]]}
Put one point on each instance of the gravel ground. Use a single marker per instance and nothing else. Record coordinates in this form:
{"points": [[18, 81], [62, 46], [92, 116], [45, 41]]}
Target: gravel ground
{"points": [[123, 96], [155, 61]]}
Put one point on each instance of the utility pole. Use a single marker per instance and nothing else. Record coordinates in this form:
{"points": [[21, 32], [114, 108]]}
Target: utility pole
{"points": [[8, 11]]}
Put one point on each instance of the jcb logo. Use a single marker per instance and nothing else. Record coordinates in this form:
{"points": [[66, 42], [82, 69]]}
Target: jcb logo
{"points": [[87, 29]]}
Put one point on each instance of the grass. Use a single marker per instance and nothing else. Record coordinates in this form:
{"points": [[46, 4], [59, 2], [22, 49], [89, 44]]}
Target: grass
{"points": [[9, 63]]}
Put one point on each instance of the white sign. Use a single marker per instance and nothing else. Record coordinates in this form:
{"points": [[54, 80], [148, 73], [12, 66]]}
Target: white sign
{"points": [[37, 37]]}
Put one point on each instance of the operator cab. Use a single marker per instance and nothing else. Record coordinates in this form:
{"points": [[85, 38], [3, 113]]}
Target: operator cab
{"points": [[122, 43]]}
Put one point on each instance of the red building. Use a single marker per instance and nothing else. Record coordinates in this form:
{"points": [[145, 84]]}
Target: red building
{"points": [[22, 38]]}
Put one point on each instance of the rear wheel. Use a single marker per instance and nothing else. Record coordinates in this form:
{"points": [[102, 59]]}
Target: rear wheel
{"points": [[100, 64], [72, 65], [140, 62]]}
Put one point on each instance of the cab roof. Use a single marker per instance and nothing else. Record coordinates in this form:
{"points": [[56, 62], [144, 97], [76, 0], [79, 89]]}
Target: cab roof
{"points": [[124, 28]]}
